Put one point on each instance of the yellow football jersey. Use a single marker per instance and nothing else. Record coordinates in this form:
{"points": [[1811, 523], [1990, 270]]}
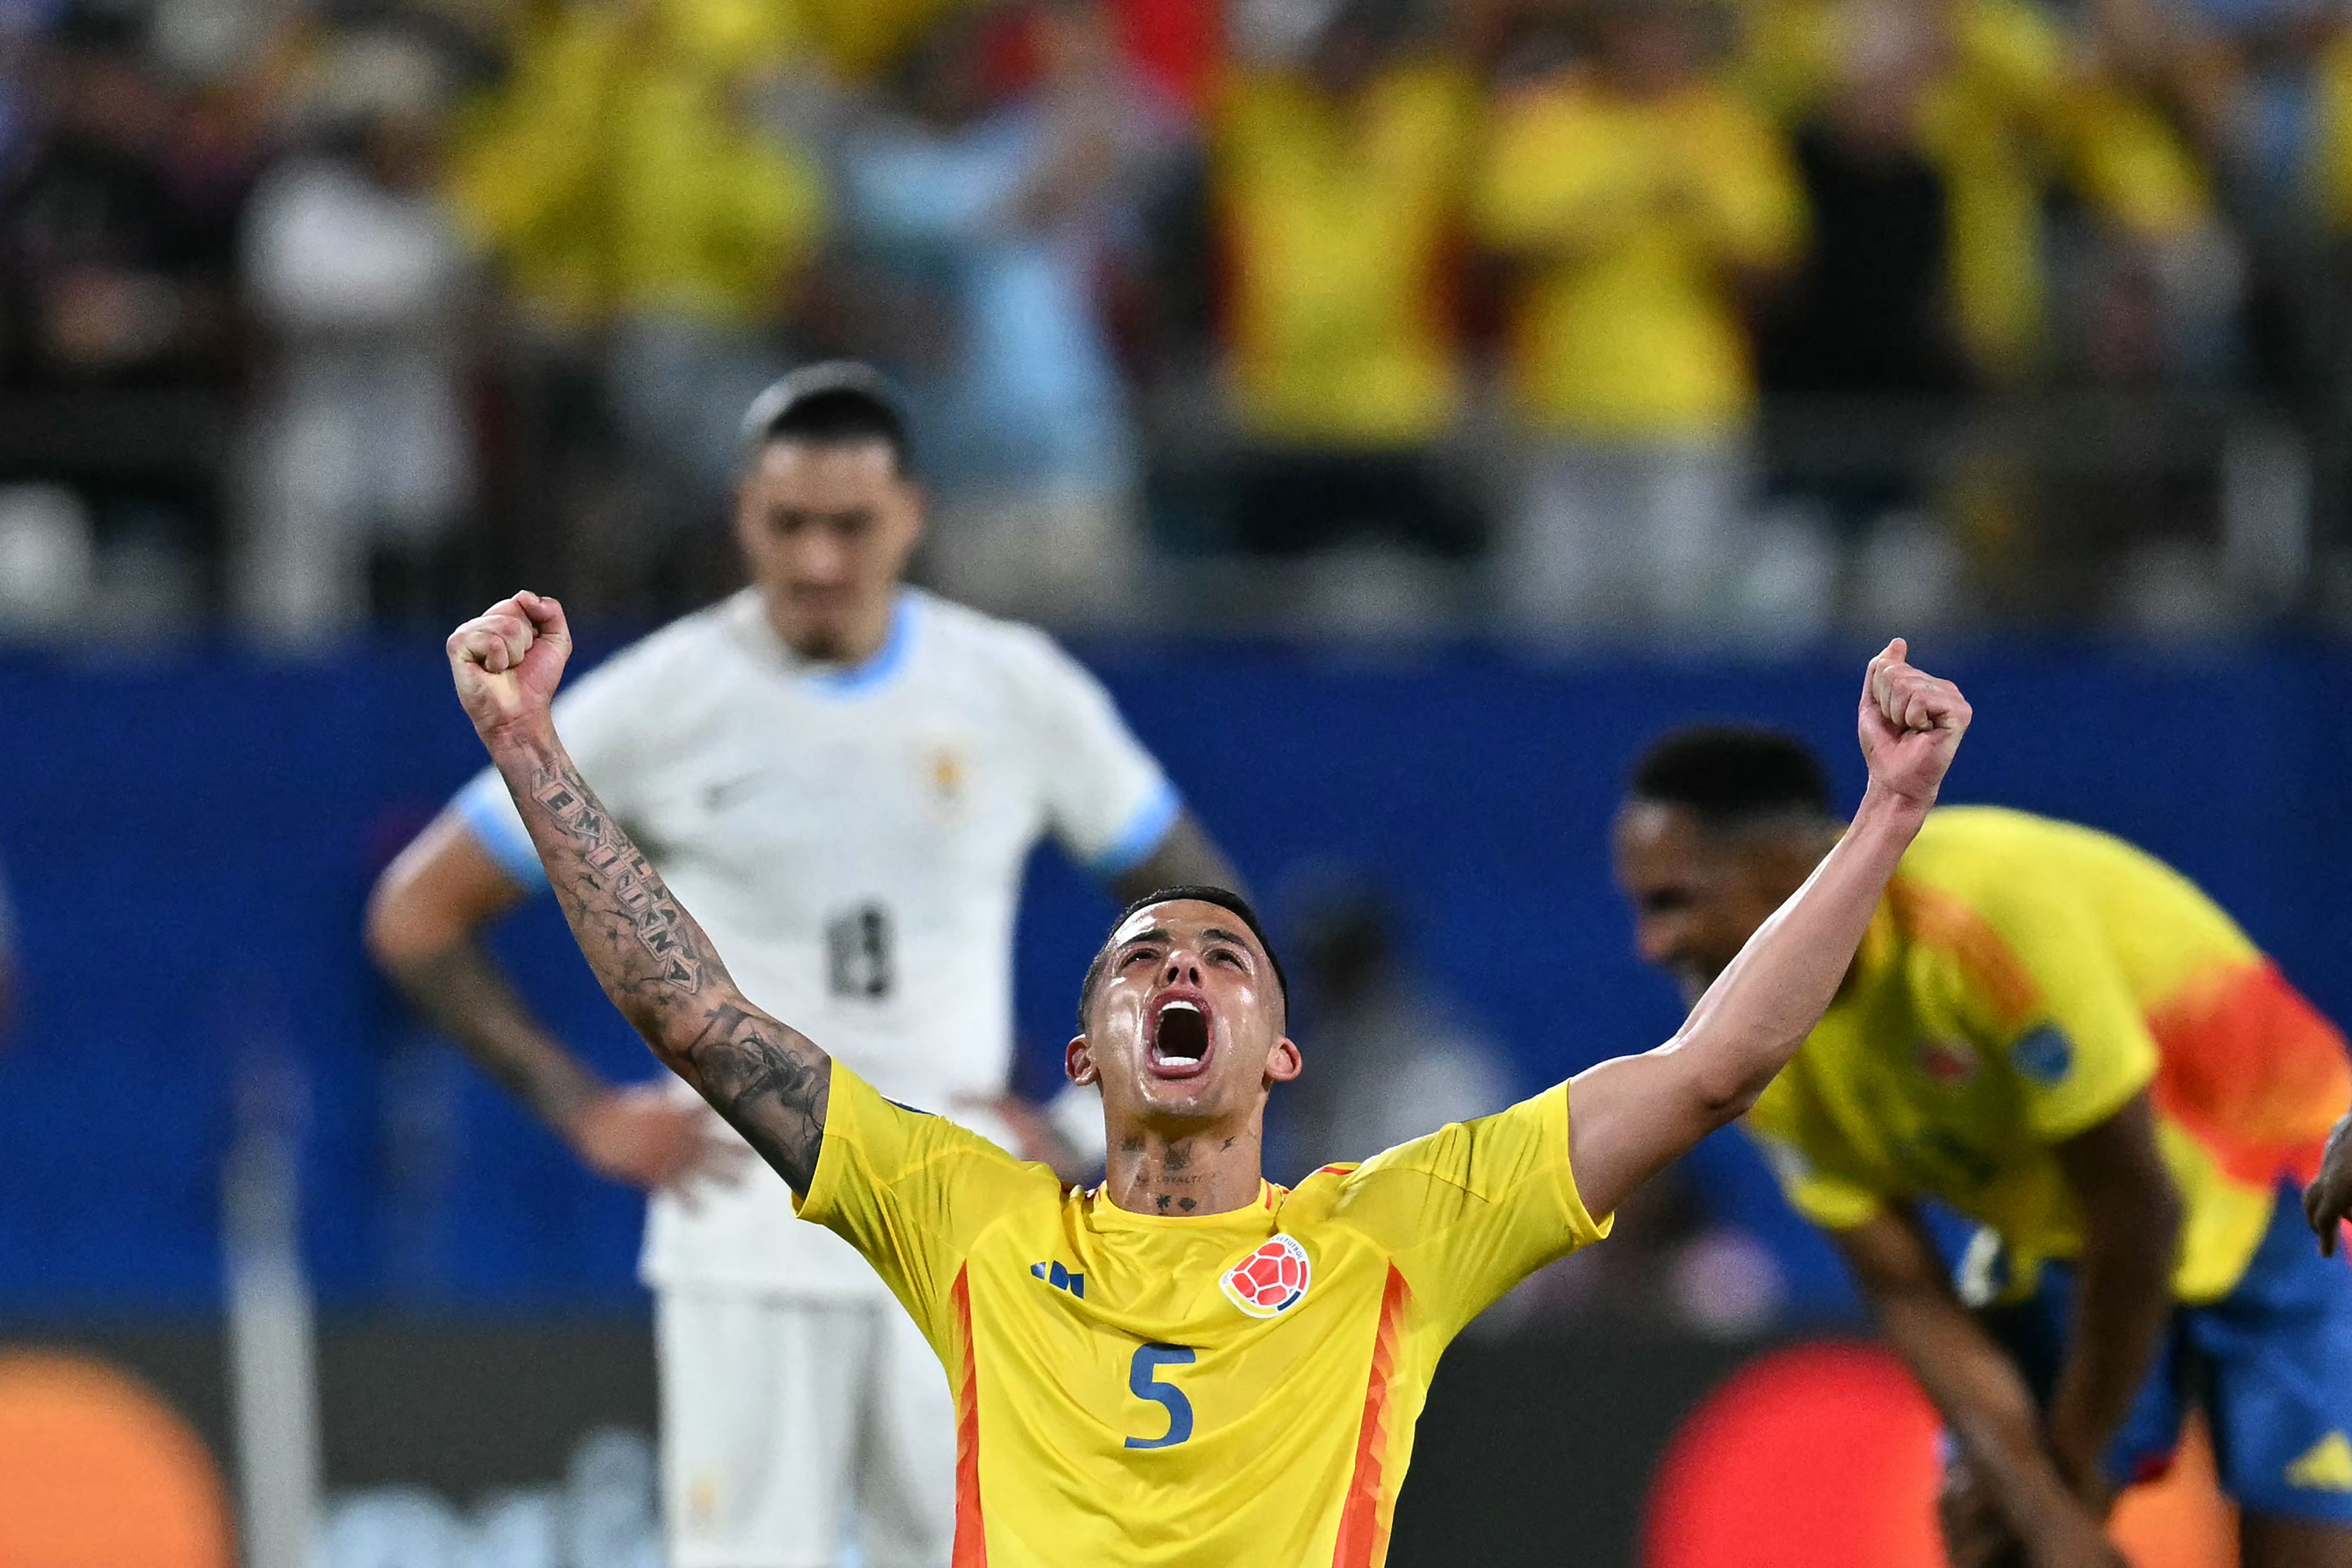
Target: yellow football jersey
{"points": [[2022, 979], [1217, 1391]]}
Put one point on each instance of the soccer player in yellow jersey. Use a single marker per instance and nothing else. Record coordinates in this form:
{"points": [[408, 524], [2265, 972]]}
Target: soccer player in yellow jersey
{"points": [[2059, 1037], [1187, 1367]]}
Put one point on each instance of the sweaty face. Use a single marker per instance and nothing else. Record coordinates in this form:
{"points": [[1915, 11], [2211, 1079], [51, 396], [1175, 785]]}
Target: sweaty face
{"points": [[826, 528], [1699, 894], [1186, 1025]]}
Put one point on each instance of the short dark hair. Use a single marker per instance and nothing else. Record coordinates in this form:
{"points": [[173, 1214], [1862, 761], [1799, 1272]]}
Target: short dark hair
{"points": [[837, 401], [1182, 893], [1732, 775]]}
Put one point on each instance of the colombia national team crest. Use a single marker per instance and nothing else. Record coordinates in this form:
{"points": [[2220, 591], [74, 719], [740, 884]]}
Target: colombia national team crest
{"points": [[1270, 1280]]}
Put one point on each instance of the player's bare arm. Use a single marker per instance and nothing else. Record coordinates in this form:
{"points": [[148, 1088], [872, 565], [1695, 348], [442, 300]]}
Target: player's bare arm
{"points": [[2327, 1202], [2006, 1493], [2131, 1236], [768, 1080], [1633, 1116], [425, 926]]}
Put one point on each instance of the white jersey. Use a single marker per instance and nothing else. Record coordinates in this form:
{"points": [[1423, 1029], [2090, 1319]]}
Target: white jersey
{"points": [[853, 840]]}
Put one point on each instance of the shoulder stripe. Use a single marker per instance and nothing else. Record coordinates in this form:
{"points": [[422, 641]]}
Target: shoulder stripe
{"points": [[1941, 919]]}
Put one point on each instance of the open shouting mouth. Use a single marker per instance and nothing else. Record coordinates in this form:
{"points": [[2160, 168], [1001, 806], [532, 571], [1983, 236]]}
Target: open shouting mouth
{"points": [[1177, 1034]]}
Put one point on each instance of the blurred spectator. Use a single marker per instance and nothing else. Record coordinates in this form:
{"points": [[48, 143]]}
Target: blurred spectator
{"points": [[1644, 203], [861, 39], [623, 175], [118, 210], [357, 273], [1993, 201], [1337, 183], [996, 209], [1869, 311], [2009, 113], [1387, 1059], [116, 261]]}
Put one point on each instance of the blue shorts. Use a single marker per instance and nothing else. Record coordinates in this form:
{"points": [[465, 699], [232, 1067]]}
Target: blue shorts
{"points": [[2270, 1365]]}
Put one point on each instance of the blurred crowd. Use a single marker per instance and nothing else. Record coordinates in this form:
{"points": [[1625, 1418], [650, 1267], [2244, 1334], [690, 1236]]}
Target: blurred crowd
{"points": [[1573, 317]]}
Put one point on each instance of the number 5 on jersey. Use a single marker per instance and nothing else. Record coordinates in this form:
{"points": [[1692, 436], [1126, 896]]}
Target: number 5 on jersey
{"points": [[1144, 1382]]}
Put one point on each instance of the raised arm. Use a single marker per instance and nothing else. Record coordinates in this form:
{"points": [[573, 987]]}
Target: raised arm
{"points": [[655, 963], [1631, 1116]]}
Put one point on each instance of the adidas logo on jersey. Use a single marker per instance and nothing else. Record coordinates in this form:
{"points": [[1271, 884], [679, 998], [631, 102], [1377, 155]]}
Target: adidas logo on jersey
{"points": [[1270, 1280], [2325, 1465], [1061, 1279]]}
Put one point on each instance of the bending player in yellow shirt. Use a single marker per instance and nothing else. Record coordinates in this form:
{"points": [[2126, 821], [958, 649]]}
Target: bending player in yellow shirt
{"points": [[1187, 1367], [2059, 1037]]}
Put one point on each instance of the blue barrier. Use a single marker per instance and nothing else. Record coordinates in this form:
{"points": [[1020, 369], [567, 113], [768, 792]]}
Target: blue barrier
{"points": [[190, 843]]}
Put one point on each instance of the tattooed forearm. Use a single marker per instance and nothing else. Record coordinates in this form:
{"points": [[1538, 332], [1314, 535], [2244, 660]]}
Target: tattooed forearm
{"points": [[771, 1081], [633, 888], [661, 971]]}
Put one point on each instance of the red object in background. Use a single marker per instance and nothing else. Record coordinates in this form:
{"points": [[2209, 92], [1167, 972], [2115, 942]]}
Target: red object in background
{"points": [[1176, 42], [1826, 1456], [1822, 1457], [1006, 44]]}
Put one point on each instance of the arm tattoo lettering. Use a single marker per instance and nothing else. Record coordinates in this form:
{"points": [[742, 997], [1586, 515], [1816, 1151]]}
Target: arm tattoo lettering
{"points": [[636, 888], [659, 968]]}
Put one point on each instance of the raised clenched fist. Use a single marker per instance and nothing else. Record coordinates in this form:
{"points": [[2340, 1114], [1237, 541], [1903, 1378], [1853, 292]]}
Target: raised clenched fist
{"points": [[1910, 724], [508, 661]]}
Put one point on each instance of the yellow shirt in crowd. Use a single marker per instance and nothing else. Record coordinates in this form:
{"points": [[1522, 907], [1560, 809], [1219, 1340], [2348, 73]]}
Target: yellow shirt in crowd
{"points": [[1631, 217], [2012, 112], [2022, 979], [1338, 219], [618, 171], [1224, 1391]]}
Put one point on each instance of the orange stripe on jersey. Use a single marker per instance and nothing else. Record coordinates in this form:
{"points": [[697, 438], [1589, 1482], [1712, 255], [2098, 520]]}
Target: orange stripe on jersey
{"points": [[1364, 1518], [971, 1535], [2252, 1071], [1939, 919]]}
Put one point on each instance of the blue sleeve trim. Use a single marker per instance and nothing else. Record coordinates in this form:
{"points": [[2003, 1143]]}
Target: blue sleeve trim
{"points": [[1144, 831], [507, 844]]}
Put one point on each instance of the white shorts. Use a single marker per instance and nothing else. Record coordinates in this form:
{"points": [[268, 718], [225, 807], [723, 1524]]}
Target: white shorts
{"points": [[783, 1421]]}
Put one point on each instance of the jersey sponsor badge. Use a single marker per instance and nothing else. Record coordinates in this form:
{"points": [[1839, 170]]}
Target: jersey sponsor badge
{"points": [[2044, 1056], [946, 772], [1947, 1064], [1270, 1280]]}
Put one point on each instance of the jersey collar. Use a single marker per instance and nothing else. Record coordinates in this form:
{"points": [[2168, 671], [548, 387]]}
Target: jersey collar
{"points": [[1258, 1215], [888, 660], [846, 682]]}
